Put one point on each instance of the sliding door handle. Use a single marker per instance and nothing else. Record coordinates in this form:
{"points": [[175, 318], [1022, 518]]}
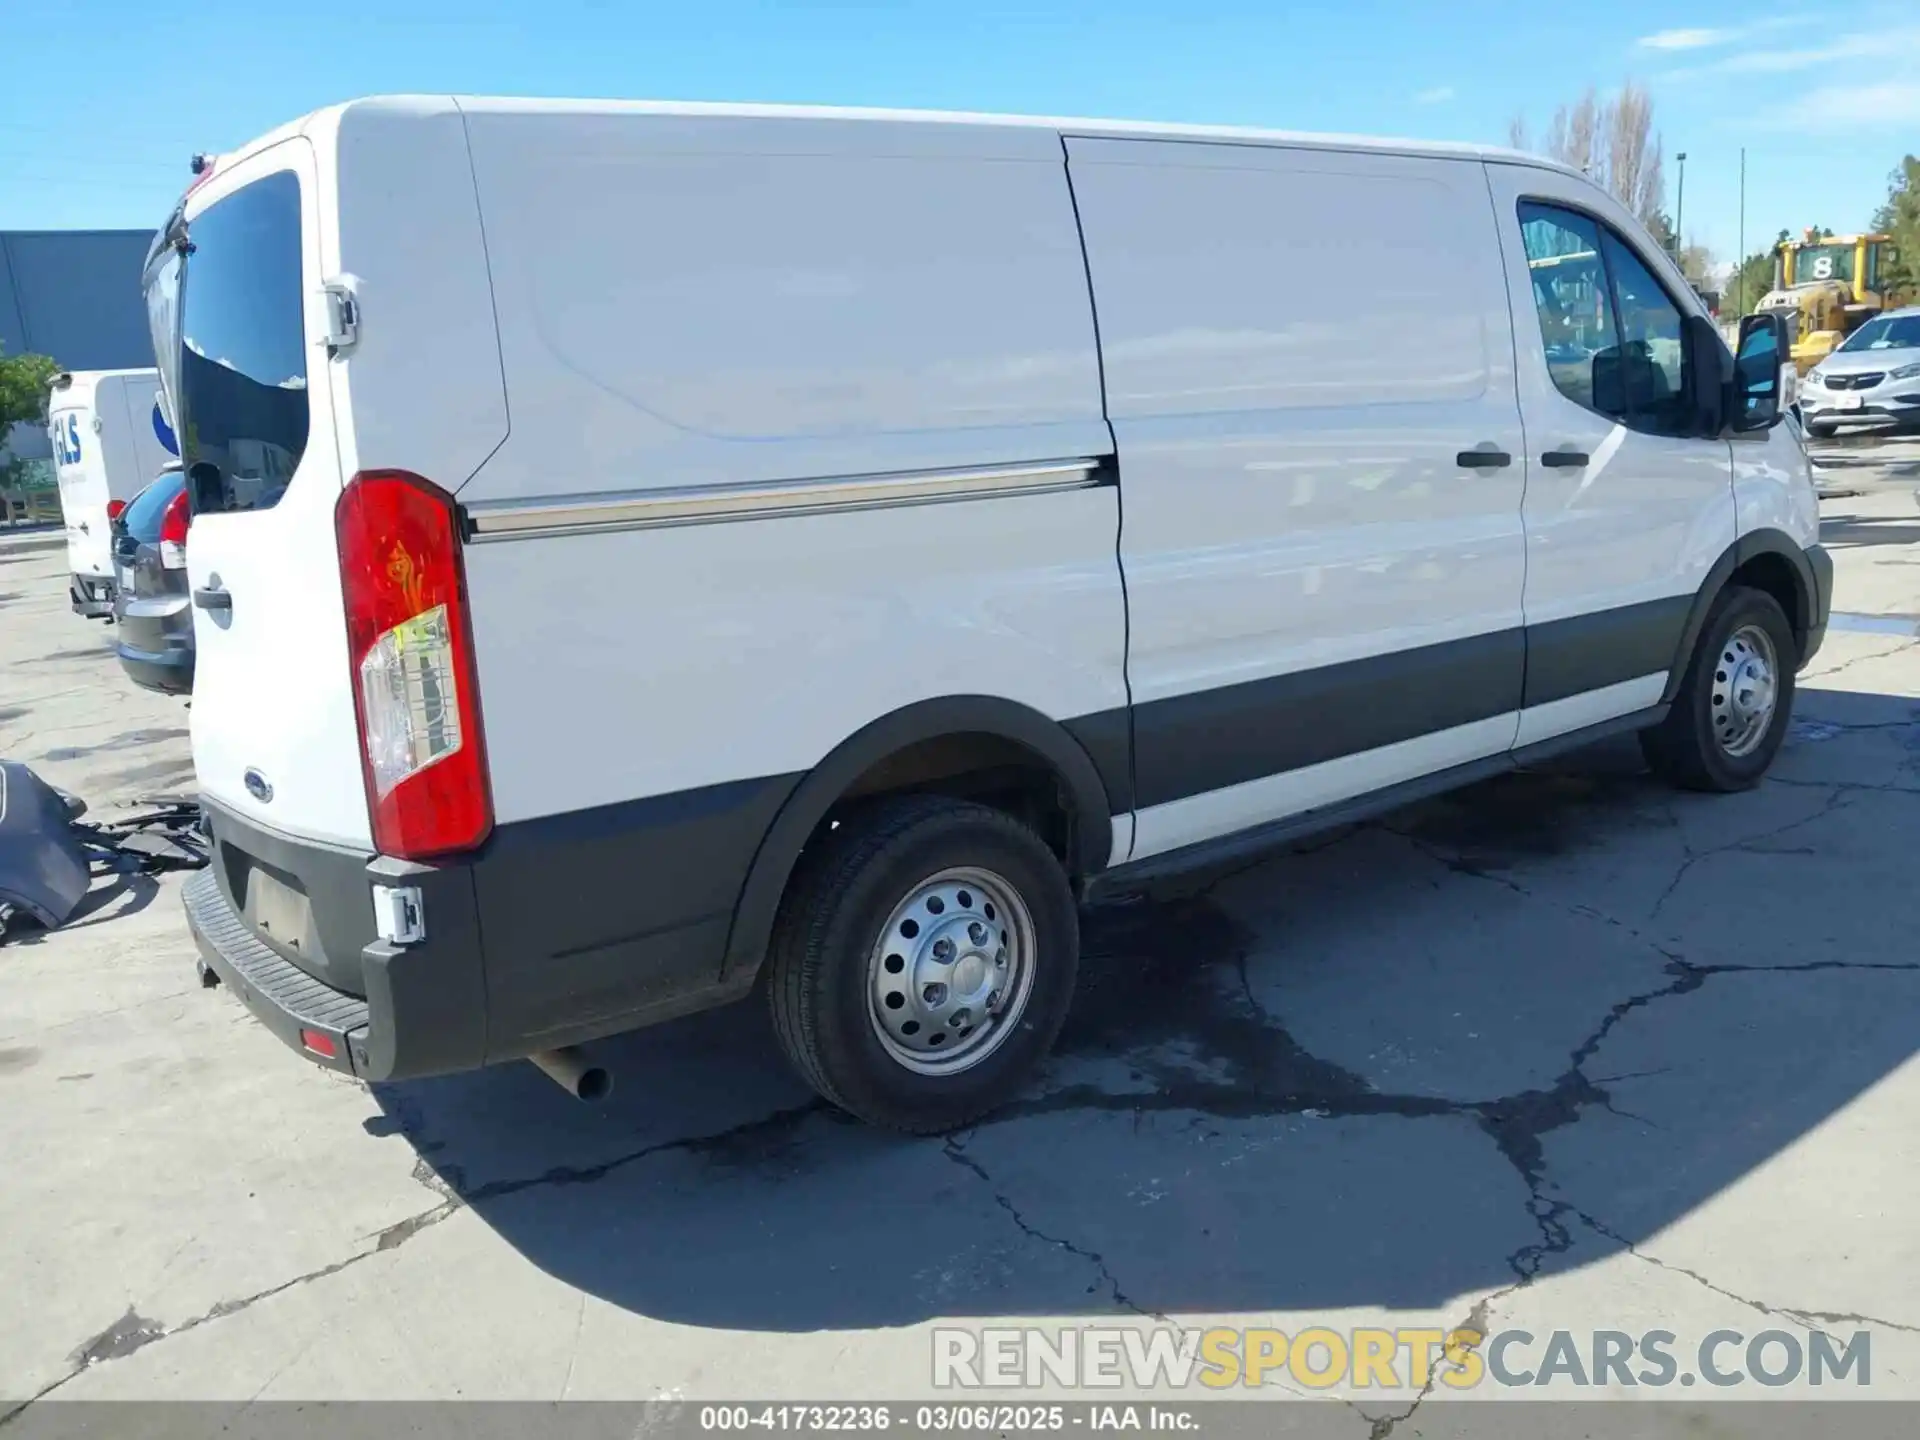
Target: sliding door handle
{"points": [[1564, 459], [1483, 459]]}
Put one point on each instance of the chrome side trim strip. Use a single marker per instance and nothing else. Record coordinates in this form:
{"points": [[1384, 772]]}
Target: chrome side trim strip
{"points": [[648, 509]]}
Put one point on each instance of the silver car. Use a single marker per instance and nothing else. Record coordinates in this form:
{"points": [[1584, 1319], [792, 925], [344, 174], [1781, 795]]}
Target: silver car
{"points": [[1871, 381]]}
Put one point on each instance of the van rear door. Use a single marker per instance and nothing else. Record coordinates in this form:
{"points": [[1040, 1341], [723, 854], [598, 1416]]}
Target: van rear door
{"points": [[81, 470], [274, 734]]}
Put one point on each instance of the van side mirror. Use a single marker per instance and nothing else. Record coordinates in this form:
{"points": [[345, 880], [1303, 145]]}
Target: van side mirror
{"points": [[1709, 374], [1755, 400]]}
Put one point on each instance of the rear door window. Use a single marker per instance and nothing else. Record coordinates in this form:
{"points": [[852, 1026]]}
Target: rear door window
{"points": [[243, 362]]}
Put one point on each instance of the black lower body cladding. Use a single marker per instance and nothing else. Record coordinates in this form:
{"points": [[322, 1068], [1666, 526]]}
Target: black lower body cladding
{"points": [[570, 927], [601, 920], [558, 931], [1821, 564]]}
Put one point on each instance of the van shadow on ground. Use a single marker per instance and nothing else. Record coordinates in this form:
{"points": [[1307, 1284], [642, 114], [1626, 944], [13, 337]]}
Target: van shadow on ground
{"points": [[1494, 1036]]}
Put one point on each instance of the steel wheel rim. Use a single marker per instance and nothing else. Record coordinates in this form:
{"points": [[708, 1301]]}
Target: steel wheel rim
{"points": [[951, 971], [1746, 691]]}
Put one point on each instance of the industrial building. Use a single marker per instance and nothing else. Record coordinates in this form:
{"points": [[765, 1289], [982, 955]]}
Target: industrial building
{"points": [[74, 295]]}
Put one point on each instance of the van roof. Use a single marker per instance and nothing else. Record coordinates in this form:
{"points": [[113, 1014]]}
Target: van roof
{"points": [[1091, 128], [66, 382]]}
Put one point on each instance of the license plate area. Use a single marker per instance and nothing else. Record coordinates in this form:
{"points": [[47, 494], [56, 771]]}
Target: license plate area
{"points": [[278, 912], [1850, 402]]}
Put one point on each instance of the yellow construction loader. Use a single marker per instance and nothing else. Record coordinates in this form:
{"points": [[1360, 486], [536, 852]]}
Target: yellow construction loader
{"points": [[1827, 287]]}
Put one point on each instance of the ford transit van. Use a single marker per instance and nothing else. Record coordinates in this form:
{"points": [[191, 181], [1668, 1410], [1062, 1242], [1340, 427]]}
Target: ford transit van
{"points": [[645, 555]]}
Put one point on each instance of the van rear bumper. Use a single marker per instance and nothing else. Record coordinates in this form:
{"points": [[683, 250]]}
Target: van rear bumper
{"points": [[423, 1014], [585, 935], [91, 596], [281, 996]]}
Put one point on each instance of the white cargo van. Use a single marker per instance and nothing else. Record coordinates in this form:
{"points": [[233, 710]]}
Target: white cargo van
{"points": [[109, 440], [650, 553]]}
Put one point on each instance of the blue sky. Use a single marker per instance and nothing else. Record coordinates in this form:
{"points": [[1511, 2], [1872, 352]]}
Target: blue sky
{"points": [[106, 99]]}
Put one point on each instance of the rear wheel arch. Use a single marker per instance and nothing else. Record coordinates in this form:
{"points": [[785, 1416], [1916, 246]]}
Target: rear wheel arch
{"points": [[906, 750]]}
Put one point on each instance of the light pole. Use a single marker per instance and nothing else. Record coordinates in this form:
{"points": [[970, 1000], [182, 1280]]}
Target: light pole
{"points": [[1680, 207], [1740, 305]]}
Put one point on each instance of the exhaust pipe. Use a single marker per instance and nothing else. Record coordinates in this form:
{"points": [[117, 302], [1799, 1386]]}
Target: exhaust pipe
{"points": [[570, 1069]]}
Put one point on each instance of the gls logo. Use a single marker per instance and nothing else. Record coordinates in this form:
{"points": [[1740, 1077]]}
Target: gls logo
{"points": [[66, 439]]}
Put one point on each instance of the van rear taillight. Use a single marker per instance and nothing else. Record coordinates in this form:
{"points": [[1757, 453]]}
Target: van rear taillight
{"points": [[411, 648], [173, 533], [115, 509]]}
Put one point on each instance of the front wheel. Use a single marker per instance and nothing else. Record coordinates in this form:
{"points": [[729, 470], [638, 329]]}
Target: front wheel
{"points": [[1734, 701], [923, 961]]}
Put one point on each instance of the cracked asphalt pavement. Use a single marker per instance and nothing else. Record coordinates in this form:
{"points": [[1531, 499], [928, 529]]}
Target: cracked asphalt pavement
{"points": [[1565, 1051]]}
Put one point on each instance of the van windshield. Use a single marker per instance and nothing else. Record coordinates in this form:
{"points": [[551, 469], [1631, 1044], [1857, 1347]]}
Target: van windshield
{"points": [[242, 353]]}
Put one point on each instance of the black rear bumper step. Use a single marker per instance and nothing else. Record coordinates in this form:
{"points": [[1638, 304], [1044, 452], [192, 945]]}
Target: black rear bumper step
{"points": [[281, 995]]}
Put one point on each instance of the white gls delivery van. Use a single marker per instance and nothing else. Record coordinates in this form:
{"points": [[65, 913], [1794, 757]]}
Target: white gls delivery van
{"points": [[107, 445], [646, 553]]}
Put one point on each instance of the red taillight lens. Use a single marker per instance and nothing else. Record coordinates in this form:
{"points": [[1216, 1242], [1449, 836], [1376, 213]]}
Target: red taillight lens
{"points": [[115, 509], [411, 648], [173, 533]]}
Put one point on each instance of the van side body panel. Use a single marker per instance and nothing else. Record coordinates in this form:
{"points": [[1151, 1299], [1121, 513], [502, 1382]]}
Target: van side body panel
{"points": [[1618, 548], [1298, 346], [422, 389], [814, 310], [1773, 486], [696, 308]]}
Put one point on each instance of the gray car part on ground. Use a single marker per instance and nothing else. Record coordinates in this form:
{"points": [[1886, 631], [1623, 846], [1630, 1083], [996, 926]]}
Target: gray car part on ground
{"points": [[44, 869]]}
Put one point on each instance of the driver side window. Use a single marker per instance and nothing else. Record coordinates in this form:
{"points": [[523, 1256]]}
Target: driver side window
{"points": [[1612, 333]]}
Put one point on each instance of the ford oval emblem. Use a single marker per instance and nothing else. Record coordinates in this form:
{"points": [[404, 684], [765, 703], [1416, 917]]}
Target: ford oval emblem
{"points": [[258, 787]]}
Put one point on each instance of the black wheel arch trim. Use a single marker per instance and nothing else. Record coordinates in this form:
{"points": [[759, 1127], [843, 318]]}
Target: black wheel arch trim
{"points": [[1755, 543], [1049, 741]]}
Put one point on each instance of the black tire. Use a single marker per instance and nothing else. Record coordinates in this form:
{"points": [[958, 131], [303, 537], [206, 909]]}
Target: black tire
{"points": [[1685, 749], [841, 896]]}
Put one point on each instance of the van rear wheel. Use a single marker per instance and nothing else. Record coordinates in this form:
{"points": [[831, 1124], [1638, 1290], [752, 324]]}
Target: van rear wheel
{"points": [[1735, 700], [923, 961]]}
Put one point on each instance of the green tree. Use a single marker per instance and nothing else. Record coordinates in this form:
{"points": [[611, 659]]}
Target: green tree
{"points": [[23, 388], [23, 400], [1751, 280], [1900, 218]]}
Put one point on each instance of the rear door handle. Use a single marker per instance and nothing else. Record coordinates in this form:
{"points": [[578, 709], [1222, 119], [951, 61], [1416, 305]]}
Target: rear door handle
{"points": [[1564, 459], [1487, 459], [212, 597]]}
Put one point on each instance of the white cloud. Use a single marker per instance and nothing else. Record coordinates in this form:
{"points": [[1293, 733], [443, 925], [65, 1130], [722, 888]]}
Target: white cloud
{"points": [[1684, 39], [1438, 95], [1888, 104], [1870, 46]]}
